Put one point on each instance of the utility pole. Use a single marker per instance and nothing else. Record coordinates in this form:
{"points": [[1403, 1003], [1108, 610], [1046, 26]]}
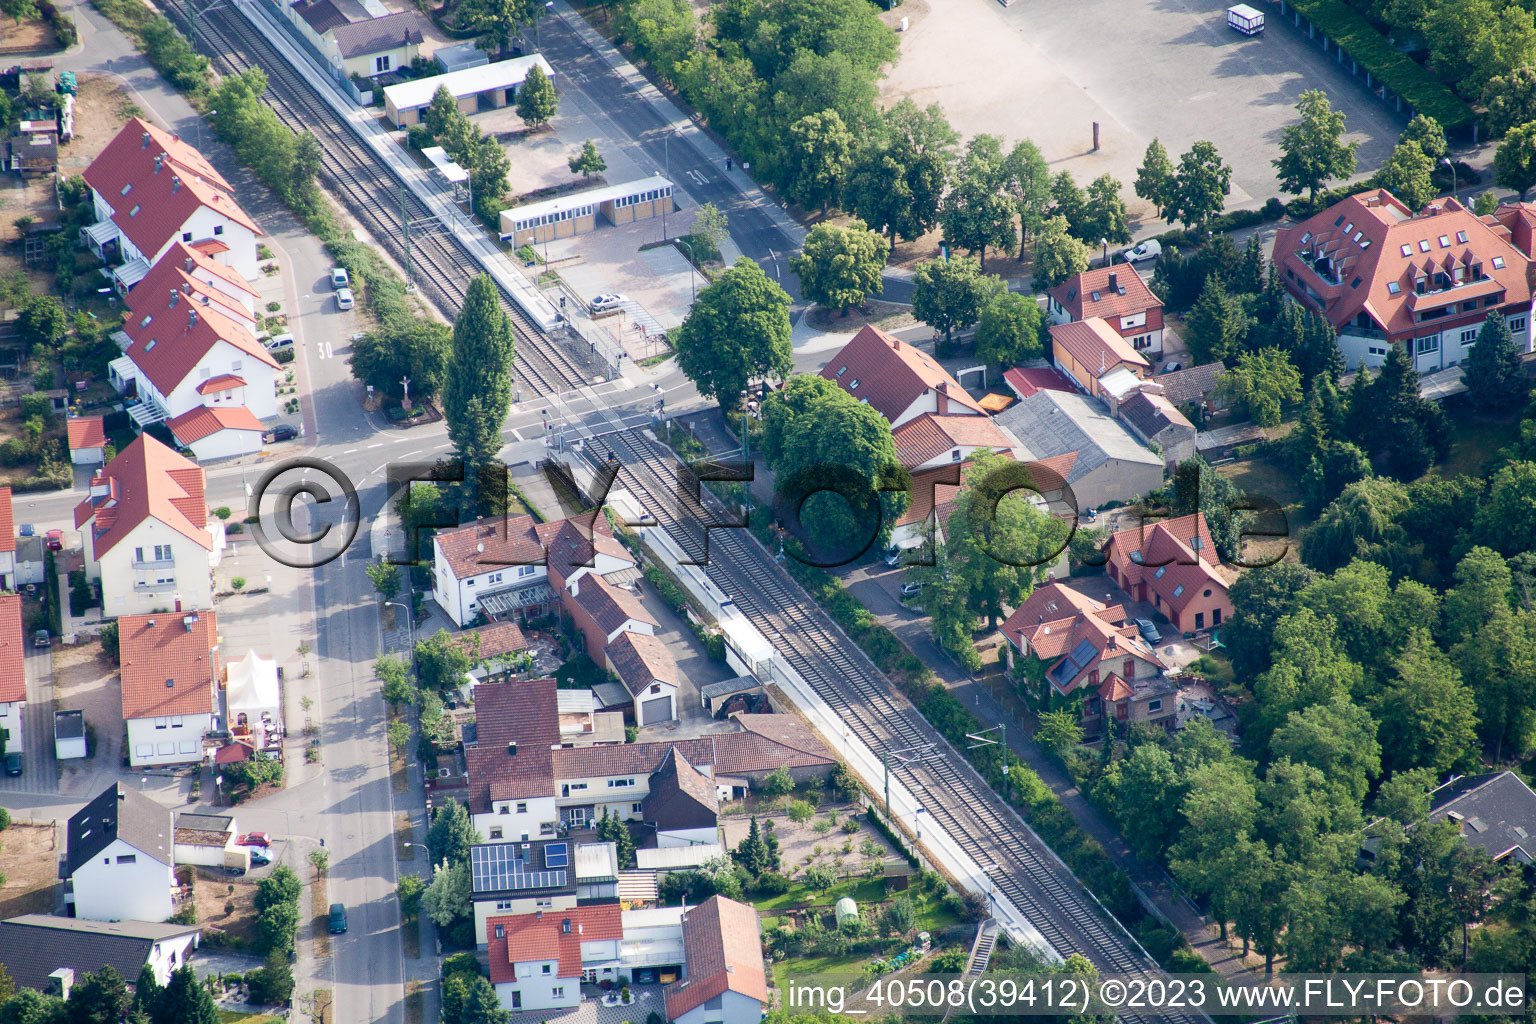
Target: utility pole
{"points": [[982, 739]]}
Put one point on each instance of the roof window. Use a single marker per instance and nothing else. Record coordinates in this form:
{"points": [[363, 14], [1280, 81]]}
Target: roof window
{"points": [[146, 320], [1160, 570], [1461, 236], [1306, 237], [842, 371], [1357, 235], [126, 189], [151, 346], [1178, 591], [855, 385], [1393, 288], [1339, 221], [1498, 263], [1355, 283], [1406, 250], [135, 211], [1349, 227], [1445, 241], [1095, 296], [1424, 245]]}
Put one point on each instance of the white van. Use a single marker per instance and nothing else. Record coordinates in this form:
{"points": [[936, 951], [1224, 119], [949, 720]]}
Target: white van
{"points": [[1245, 19]]}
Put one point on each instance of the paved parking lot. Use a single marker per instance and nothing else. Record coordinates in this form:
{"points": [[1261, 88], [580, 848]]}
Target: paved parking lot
{"points": [[1164, 68]]}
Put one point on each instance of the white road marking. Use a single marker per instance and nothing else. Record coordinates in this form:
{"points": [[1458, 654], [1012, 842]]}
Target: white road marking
{"points": [[409, 454], [379, 444], [517, 434], [349, 451], [399, 440]]}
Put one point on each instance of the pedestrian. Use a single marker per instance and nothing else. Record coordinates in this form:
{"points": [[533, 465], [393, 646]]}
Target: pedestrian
{"points": [[727, 165]]}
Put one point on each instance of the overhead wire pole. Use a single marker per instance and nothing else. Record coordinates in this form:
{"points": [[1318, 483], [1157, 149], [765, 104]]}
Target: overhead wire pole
{"points": [[905, 757], [981, 739], [428, 225]]}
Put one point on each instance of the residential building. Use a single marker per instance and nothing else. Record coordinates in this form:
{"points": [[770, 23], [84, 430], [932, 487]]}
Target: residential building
{"points": [[1194, 386], [1087, 646], [1174, 564], [538, 961], [929, 440], [510, 879], [602, 611], [198, 367], [169, 668], [119, 858], [87, 440], [724, 980], [500, 567], [926, 517], [13, 675], [7, 541], [1156, 420], [1081, 455], [376, 46], [1088, 350], [898, 381], [1117, 296], [649, 673], [1384, 275], [683, 804], [202, 282], [511, 770], [583, 725], [152, 190], [147, 533], [1495, 811], [36, 947]]}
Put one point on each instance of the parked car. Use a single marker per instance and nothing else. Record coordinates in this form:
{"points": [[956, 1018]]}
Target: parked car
{"points": [[338, 919], [260, 856], [42, 639], [610, 300], [344, 299], [1151, 249], [909, 590], [254, 839], [339, 279], [279, 342], [13, 764], [1149, 631], [282, 432], [55, 540], [1173, 367], [893, 557]]}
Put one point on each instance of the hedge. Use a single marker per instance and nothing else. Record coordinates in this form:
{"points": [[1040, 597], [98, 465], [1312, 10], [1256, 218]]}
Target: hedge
{"points": [[1350, 30]]}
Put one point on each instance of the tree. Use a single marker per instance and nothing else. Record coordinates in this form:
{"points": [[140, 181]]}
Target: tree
{"points": [[1506, 520], [404, 348], [1337, 738], [42, 321], [470, 999], [443, 660], [1201, 186], [949, 294], [1407, 174], [451, 833], [818, 159], [1426, 131], [1156, 180], [408, 892], [1428, 715], [1510, 99], [1514, 164], [976, 213], [497, 21], [1058, 256], [1059, 731], [1008, 332], [1312, 151], [738, 329], [612, 829], [443, 110], [588, 162], [185, 1001], [1104, 216], [1027, 180], [255, 771], [1264, 383], [101, 997], [446, 900], [899, 174], [710, 229], [1493, 376], [1485, 203], [820, 877], [752, 852], [778, 783], [394, 674], [1143, 792], [1217, 324], [1067, 200], [398, 733], [536, 100], [146, 992], [385, 577], [477, 391], [1498, 661], [840, 267], [1260, 599], [272, 982]]}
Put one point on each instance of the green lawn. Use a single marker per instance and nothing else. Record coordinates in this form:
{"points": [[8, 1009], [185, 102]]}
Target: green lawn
{"points": [[236, 1017], [862, 890], [1476, 438], [801, 967]]}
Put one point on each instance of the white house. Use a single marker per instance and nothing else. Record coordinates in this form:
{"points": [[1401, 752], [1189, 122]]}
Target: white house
{"points": [[724, 981], [217, 433], [538, 960], [683, 804], [169, 668], [510, 761], [152, 190], [202, 280], [649, 673], [13, 674], [39, 949], [899, 381], [120, 858], [148, 535], [183, 352]]}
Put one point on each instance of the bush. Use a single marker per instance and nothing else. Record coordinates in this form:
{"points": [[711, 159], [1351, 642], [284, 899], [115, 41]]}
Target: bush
{"points": [[5, 819], [283, 355], [223, 512], [770, 883]]}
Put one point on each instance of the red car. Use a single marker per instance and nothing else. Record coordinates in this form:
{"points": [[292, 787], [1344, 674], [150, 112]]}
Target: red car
{"points": [[55, 540], [255, 839]]}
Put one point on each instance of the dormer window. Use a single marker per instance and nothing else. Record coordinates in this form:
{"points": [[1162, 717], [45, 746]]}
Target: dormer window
{"points": [[854, 386]]}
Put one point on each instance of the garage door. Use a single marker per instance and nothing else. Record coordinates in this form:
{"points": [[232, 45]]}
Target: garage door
{"points": [[658, 710]]}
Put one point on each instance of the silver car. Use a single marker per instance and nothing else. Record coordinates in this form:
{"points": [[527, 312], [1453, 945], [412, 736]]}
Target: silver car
{"points": [[344, 299]]}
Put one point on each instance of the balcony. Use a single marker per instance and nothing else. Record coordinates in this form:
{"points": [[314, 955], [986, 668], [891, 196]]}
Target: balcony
{"points": [[155, 587], [155, 564]]}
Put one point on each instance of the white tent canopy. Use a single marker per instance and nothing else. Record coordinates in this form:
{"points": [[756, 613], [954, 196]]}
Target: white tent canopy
{"points": [[253, 685]]}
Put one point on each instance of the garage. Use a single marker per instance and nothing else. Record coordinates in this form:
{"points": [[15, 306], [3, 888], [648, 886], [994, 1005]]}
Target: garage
{"points": [[658, 710]]}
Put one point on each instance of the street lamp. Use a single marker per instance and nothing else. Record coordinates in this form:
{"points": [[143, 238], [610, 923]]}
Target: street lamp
{"points": [[693, 286], [538, 26], [410, 627], [1105, 243], [1447, 162], [666, 172]]}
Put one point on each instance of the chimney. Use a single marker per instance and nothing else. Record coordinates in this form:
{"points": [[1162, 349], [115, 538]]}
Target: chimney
{"points": [[159, 161], [187, 264], [145, 143], [191, 319], [62, 980], [190, 620], [1114, 281], [151, 623], [174, 296], [176, 187]]}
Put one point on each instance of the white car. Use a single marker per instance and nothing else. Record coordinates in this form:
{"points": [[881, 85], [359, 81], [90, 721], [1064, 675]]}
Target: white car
{"points": [[1151, 249], [339, 279], [606, 302], [344, 299]]}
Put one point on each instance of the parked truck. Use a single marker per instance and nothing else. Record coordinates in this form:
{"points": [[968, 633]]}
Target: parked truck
{"points": [[1247, 20]]}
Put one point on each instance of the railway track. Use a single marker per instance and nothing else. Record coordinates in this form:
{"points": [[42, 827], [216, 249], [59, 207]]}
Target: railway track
{"points": [[960, 801], [371, 191]]}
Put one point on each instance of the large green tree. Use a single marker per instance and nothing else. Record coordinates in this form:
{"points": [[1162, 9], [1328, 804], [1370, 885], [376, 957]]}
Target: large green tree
{"points": [[1008, 332], [184, 1001], [949, 295], [442, 660], [1028, 184], [1408, 174], [840, 267], [477, 390], [1428, 715], [977, 213], [451, 833], [1313, 151], [1339, 739], [1104, 215], [1156, 178], [1217, 324], [1493, 375], [900, 173], [818, 159], [1264, 383], [737, 330], [1201, 186], [1511, 99], [497, 21], [1514, 164], [536, 99], [401, 349], [1058, 256]]}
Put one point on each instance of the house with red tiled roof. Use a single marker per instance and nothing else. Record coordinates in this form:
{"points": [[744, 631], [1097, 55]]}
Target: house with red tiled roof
{"points": [[512, 566], [169, 671], [87, 440], [1024, 381], [147, 533], [7, 541], [930, 440], [537, 960], [602, 611], [1090, 648], [202, 281], [510, 761], [1384, 274], [13, 674], [1088, 351], [184, 353], [152, 190], [1173, 563], [724, 980], [649, 672], [1118, 296], [899, 381]]}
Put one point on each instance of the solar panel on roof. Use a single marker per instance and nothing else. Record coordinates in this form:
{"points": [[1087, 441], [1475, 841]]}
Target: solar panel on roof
{"points": [[496, 867], [556, 855]]}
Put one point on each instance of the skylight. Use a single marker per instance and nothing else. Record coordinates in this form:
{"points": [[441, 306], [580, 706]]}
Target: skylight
{"points": [[1461, 236], [1393, 288], [152, 343], [1445, 241], [1407, 250], [126, 189], [1424, 245], [146, 320], [855, 385], [842, 371], [135, 211], [1160, 570], [1498, 263], [1178, 591]]}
